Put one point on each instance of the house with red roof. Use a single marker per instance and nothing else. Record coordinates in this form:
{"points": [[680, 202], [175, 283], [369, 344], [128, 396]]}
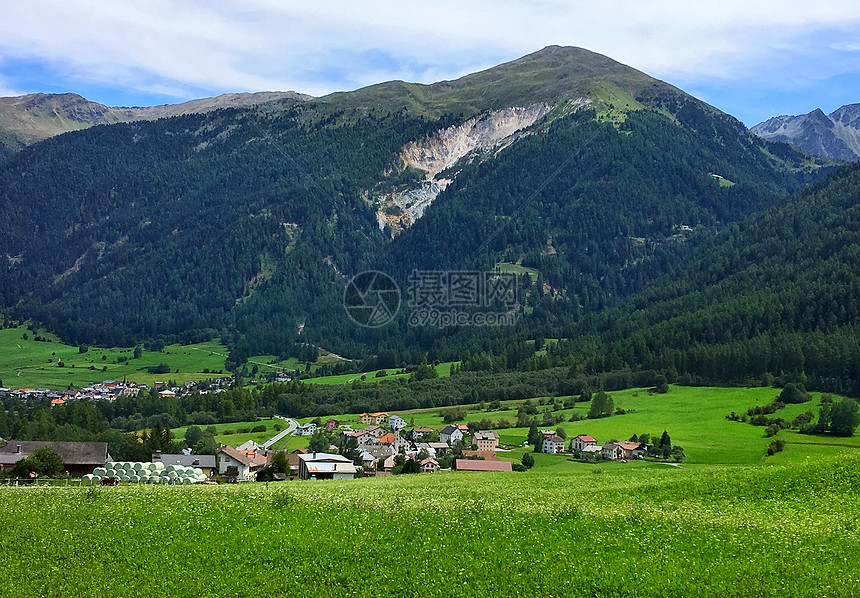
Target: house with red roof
{"points": [[579, 443]]}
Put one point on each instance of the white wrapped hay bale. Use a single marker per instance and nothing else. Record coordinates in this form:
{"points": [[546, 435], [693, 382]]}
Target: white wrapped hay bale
{"points": [[98, 471], [134, 479], [140, 466], [124, 478]]}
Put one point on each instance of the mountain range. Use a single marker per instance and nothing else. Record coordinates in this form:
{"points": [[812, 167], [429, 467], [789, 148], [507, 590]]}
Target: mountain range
{"points": [[629, 202], [835, 135], [30, 118]]}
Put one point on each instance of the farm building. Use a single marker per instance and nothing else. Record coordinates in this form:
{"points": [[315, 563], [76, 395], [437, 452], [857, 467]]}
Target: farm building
{"points": [[476, 465], [325, 466], [79, 458]]}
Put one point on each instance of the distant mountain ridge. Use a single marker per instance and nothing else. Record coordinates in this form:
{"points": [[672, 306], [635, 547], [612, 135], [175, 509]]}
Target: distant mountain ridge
{"points": [[834, 135], [26, 119]]}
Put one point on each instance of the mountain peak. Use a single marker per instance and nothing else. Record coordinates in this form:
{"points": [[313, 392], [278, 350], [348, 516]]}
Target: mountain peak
{"points": [[834, 136]]}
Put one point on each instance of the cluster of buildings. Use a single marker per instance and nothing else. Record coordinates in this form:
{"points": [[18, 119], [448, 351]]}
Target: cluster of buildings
{"points": [[109, 390], [587, 447]]}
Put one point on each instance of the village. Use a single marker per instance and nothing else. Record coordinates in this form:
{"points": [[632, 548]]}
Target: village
{"points": [[382, 447], [111, 390]]}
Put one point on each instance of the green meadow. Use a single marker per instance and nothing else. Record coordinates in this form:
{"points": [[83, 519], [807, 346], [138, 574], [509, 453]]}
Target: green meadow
{"points": [[645, 531], [694, 417], [27, 363]]}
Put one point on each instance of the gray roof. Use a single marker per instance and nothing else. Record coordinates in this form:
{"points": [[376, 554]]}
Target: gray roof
{"points": [[73, 453], [186, 460], [323, 457]]}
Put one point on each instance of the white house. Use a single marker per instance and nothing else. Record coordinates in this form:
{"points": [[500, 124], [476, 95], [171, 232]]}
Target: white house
{"points": [[429, 465], [612, 451], [451, 434], [233, 462], [395, 422], [553, 444], [580, 442]]}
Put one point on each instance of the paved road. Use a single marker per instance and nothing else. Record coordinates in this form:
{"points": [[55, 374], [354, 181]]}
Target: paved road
{"points": [[291, 427]]}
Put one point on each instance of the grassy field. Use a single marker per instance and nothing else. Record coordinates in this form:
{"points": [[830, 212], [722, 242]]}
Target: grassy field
{"points": [[229, 433], [444, 369], [645, 531], [26, 363]]}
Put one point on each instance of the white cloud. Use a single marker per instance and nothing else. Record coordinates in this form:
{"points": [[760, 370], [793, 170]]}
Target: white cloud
{"points": [[317, 47]]}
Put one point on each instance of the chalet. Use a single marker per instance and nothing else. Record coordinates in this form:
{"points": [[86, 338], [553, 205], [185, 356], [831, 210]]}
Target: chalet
{"points": [[325, 466], [612, 451], [395, 422], [429, 465], [553, 444], [238, 464], [633, 450], [282, 377], [79, 458], [487, 440], [204, 462], [365, 418], [331, 424], [419, 433], [166, 393], [451, 434], [476, 465], [580, 442]]}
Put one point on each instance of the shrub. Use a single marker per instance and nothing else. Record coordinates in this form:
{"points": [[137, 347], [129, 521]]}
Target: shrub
{"points": [[775, 447], [260, 428]]}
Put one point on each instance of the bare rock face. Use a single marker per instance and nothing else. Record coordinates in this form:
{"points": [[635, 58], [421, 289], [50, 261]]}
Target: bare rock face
{"points": [[443, 149], [488, 132], [836, 135]]}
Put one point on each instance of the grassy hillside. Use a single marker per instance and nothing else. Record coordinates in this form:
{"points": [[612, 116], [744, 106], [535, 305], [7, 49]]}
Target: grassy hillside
{"points": [[27, 363], [649, 531]]}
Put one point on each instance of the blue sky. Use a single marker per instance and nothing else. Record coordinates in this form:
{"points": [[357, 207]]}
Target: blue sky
{"points": [[752, 60]]}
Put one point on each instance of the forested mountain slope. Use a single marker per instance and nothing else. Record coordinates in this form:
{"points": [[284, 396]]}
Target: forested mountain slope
{"points": [[248, 222], [777, 292]]}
